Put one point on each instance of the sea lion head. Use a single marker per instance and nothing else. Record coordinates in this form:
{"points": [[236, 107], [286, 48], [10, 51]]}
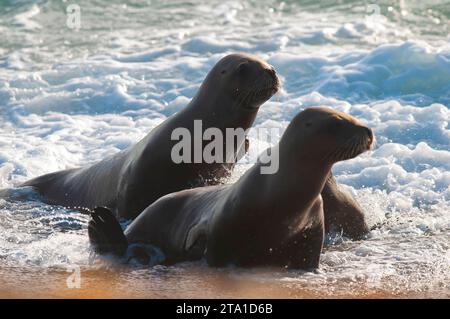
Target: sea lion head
{"points": [[245, 79], [328, 136]]}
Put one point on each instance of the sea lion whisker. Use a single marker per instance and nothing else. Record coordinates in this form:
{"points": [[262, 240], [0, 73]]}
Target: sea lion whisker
{"points": [[334, 154], [351, 149], [330, 155], [337, 155], [347, 148], [257, 91], [343, 154], [340, 149], [355, 148], [246, 95], [358, 146]]}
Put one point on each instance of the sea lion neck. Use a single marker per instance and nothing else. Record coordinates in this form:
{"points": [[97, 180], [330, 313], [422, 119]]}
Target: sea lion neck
{"points": [[292, 188], [299, 179]]}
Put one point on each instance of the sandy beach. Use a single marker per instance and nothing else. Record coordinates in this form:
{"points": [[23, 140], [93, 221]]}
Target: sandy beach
{"points": [[194, 282]]}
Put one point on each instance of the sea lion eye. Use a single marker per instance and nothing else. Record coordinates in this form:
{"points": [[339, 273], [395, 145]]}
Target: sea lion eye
{"points": [[223, 72], [308, 124]]}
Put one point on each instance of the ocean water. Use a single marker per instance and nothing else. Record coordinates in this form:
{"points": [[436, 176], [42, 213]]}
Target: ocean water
{"points": [[71, 97]]}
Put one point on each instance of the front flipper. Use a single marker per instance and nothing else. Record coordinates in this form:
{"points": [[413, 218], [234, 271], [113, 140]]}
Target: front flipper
{"points": [[105, 234], [195, 243], [342, 213], [304, 251]]}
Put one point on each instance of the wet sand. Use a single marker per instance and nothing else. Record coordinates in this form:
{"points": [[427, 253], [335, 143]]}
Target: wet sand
{"points": [[193, 282]]}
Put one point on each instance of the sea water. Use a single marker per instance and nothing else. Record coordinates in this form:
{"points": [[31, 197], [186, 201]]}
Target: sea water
{"points": [[73, 94]]}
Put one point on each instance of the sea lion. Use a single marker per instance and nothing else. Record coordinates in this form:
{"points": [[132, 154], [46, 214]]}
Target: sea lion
{"points": [[263, 219], [129, 181]]}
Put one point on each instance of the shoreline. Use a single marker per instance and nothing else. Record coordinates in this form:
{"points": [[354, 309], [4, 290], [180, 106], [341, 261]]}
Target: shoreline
{"points": [[192, 283]]}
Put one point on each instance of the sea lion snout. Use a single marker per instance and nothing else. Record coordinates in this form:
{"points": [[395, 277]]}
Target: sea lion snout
{"points": [[247, 79], [272, 73], [370, 137], [274, 77], [361, 142], [266, 68], [269, 77], [364, 135]]}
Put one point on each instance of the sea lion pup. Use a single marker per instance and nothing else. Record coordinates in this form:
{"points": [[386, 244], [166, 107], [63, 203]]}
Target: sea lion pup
{"points": [[129, 181], [263, 219]]}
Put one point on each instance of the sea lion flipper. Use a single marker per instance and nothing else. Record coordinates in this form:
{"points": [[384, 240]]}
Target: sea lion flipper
{"points": [[105, 233], [342, 212], [196, 240]]}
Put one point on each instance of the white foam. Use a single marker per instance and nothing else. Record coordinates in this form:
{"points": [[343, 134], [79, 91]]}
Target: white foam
{"points": [[24, 19]]}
